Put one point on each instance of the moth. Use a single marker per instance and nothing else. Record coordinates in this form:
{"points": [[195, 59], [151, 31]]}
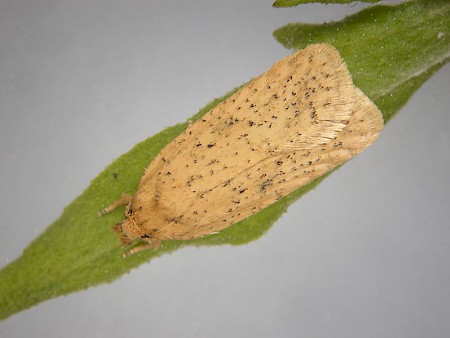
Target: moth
{"points": [[294, 123]]}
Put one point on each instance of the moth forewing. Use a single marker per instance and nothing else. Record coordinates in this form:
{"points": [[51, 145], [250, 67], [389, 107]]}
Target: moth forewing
{"points": [[294, 123]]}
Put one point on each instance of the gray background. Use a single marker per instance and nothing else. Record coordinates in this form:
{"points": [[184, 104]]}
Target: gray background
{"points": [[364, 255]]}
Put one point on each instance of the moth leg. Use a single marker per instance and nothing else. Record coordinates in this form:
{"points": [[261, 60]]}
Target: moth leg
{"points": [[125, 240], [124, 200], [153, 245]]}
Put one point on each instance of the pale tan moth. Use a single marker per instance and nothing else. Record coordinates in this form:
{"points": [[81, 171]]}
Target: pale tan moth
{"points": [[294, 123]]}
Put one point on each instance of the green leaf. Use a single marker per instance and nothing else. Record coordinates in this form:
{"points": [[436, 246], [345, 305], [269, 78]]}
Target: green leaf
{"points": [[390, 52], [292, 3]]}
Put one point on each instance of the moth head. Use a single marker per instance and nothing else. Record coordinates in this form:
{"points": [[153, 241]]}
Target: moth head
{"points": [[130, 228]]}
